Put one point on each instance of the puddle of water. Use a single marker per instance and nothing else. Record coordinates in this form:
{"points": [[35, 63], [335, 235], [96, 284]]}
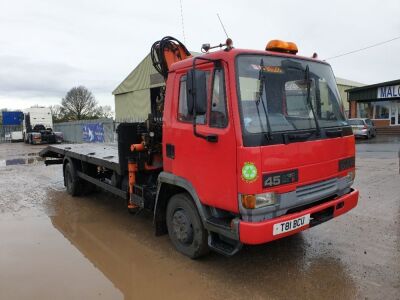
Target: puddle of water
{"points": [[20, 161]]}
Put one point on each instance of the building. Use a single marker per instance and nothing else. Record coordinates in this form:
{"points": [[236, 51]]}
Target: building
{"points": [[379, 102], [343, 85], [137, 93]]}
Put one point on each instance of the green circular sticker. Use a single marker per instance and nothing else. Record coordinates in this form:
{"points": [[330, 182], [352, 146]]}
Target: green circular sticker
{"points": [[249, 172]]}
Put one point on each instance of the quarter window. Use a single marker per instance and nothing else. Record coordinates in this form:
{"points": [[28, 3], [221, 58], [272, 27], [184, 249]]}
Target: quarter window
{"points": [[218, 114]]}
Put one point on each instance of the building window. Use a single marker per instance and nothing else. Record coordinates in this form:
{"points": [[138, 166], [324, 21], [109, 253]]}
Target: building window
{"points": [[364, 110], [381, 110]]}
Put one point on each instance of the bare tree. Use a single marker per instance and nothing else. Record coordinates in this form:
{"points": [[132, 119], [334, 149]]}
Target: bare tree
{"points": [[78, 104], [105, 112], [56, 112]]}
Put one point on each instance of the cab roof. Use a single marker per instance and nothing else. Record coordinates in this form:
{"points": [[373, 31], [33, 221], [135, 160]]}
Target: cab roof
{"points": [[231, 54]]}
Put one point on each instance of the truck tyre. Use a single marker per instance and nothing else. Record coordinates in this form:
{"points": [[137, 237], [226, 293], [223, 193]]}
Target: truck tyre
{"points": [[185, 227], [71, 181]]}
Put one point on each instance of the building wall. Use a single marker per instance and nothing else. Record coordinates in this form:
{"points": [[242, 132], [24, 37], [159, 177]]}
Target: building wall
{"points": [[343, 95], [353, 109], [132, 106], [381, 123], [378, 122]]}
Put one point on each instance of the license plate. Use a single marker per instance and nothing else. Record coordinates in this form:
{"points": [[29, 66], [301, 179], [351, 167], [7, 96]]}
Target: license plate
{"points": [[291, 224]]}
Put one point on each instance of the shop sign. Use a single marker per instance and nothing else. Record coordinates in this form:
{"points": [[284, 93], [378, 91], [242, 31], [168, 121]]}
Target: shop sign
{"points": [[391, 91]]}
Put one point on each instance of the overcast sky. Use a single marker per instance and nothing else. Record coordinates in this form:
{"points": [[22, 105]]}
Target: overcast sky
{"points": [[49, 46]]}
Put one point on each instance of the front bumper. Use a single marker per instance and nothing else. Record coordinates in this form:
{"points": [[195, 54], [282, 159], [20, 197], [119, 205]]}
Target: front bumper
{"points": [[262, 232], [360, 132]]}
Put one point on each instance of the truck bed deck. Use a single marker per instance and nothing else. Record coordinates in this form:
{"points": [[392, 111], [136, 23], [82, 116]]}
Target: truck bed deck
{"points": [[105, 155]]}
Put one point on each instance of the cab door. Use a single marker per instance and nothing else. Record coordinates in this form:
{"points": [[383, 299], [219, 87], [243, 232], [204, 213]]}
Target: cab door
{"points": [[209, 166]]}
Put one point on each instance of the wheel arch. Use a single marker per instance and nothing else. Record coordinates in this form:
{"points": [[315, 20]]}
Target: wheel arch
{"points": [[169, 185]]}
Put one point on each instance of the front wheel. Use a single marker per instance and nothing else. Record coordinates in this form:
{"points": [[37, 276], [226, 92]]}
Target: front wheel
{"points": [[185, 227]]}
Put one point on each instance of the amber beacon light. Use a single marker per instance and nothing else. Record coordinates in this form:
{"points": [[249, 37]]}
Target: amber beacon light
{"points": [[282, 46]]}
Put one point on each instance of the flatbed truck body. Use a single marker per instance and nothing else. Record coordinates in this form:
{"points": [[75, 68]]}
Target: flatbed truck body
{"points": [[246, 147]]}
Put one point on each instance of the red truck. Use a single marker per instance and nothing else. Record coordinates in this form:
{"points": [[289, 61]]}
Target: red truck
{"points": [[243, 147]]}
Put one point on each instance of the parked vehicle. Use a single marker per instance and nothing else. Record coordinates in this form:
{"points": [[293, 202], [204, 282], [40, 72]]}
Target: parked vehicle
{"points": [[243, 147], [363, 127], [13, 119], [16, 136], [38, 127]]}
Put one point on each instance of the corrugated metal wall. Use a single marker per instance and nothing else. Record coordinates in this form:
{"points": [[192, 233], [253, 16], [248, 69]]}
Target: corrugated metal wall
{"points": [[73, 132], [5, 132]]}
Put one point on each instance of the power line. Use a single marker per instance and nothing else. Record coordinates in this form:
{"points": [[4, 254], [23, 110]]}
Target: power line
{"points": [[183, 24], [361, 49]]}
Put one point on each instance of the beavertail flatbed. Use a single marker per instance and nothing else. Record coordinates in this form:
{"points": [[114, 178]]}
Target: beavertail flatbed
{"points": [[98, 154]]}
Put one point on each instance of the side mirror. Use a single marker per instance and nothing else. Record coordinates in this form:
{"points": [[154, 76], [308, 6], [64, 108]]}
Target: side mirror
{"points": [[196, 92]]}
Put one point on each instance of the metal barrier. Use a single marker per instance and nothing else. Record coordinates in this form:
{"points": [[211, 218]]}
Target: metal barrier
{"points": [[73, 131], [5, 132]]}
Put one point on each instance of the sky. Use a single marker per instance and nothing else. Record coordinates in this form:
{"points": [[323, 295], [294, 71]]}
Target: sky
{"points": [[50, 46]]}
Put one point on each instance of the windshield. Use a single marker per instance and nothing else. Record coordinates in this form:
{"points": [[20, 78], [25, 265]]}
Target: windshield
{"points": [[278, 94], [356, 122]]}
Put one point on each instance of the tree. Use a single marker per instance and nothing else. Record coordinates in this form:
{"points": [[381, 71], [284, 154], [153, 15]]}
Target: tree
{"points": [[105, 112], [57, 114], [79, 104]]}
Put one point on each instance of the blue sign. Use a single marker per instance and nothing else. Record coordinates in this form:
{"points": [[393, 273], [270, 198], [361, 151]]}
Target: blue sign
{"points": [[93, 133], [12, 117]]}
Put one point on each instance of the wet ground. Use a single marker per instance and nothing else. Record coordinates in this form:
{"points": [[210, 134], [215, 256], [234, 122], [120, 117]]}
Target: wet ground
{"points": [[53, 246]]}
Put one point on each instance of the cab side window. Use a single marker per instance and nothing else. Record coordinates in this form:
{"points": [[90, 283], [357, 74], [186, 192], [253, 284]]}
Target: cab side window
{"points": [[218, 113], [183, 113]]}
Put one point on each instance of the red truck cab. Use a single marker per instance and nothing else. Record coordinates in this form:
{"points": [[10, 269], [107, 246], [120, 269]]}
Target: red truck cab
{"points": [[270, 154]]}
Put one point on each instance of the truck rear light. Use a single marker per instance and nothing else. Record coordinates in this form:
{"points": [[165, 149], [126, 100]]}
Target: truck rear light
{"points": [[251, 201]]}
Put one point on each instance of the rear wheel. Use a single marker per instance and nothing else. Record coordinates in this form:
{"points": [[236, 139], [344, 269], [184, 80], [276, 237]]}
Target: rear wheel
{"points": [[185, 227], [72, 183]]}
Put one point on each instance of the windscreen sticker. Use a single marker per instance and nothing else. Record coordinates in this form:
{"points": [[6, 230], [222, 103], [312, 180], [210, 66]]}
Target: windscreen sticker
{"points": [[249, 172], [268, 69]]}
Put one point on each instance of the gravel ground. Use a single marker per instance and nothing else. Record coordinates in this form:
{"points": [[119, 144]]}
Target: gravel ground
{"points": [[54, 246]]}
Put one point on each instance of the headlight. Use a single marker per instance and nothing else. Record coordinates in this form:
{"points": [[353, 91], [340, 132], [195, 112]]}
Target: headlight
{"points": [[259, 200], [351, 175]]}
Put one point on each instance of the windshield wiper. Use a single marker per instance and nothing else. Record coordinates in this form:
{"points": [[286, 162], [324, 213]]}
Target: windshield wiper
{"points": [[261, 79], [308, 81]]}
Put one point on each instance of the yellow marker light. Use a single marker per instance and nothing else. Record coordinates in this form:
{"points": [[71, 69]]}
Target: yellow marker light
{"points": [[249, 201], [282, 46]]}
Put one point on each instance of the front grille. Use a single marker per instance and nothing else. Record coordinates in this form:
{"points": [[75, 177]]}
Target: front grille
{"points": [[318, 190]]}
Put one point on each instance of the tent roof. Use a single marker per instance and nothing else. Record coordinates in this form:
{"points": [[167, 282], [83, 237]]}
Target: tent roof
{"points": [[144, 76], [139, 78]]}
